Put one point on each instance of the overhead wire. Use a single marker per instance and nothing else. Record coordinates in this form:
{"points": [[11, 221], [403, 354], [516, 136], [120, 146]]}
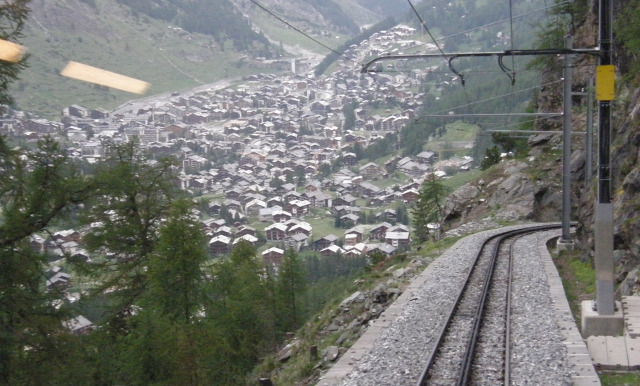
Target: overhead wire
{"points": [[302, 32], [466, 94], [498, 22], [490, 99], [424, 25]]}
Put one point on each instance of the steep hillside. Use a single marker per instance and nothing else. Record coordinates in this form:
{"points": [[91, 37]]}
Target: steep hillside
{"points": [[110, 36], [173, 46]]}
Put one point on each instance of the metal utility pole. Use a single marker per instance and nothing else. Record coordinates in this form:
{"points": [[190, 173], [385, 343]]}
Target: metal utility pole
{"points": [[566, 144], [605, 303], [589, 144]]}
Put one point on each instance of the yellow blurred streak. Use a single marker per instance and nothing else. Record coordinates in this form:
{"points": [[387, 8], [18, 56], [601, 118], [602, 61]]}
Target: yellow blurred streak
{"points": [[102, 77], [11, 52]]}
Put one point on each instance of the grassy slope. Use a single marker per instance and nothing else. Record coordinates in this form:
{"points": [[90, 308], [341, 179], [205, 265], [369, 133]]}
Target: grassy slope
{"points": [[112, 39]]}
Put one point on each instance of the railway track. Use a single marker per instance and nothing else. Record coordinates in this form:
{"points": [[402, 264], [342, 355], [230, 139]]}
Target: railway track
{"points": [[473, 343]]}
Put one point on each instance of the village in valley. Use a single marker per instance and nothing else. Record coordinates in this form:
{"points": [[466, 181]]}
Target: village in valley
{"points": [[290, 163]]}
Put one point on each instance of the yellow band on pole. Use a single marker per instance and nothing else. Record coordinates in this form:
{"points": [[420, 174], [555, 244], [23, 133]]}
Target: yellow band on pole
{"points": [[605, 82]]}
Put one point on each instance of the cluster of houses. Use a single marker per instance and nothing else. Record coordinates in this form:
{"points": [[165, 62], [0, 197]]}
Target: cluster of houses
{"points": [[278, 136]]}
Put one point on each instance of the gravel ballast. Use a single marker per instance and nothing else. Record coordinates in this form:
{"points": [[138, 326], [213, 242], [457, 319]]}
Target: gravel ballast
{"points": [[399, 341]]}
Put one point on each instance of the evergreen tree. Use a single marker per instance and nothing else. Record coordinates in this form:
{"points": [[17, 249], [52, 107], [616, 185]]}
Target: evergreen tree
{"points": [[290, 286], [492, 157], [13, 15], [428, 207], [37, 189], [134, 197], [175, 275]]}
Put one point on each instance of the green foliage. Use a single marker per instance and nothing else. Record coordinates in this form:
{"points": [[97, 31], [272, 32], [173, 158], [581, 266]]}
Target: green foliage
{"points": [[132, 199], [12, 18], [218, 18], [331, 11], [428, 207], [36, 189], [492, 157], [349, 115], [566, 17], [290, 287], [175, 276], [627, 32]]}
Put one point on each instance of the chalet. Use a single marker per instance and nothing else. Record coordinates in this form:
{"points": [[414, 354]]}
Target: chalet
{"points": [[233, 204], [324, 242], [301, 228], [246, 230], [281, 216], [254, 206], [369, 190], [379, 231], [349, 219], [60, 281], [220, 245], [332, 250], [386, 249], [296, 242], [372, 171], [79, 325], [233, 194], [399, 228], [349, 159], [427, 157], [358, 231], [247, 238], [214, 208], [398, 239], [223, 230], [274, 201], [318, 199], [356, 250], [276, 232], [66, 235], [312, 187], [298, 207], [410, 195], [273, 256]]}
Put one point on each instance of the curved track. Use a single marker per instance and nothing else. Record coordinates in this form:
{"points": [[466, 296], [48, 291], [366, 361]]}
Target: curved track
{"points": [[473, 344]]}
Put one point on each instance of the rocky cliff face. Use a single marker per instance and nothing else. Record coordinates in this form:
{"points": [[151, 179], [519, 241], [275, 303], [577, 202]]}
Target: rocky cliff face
{"points": [[531, 189]]}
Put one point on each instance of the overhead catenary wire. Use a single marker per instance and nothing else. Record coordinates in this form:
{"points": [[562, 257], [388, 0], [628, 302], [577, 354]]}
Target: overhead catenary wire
{"points": [[424, 25], [493, 98], [498, 22], [301, 32]]}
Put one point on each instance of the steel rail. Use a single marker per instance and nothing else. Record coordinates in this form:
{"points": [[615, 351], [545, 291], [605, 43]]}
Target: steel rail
{"points": [[465, 370]]}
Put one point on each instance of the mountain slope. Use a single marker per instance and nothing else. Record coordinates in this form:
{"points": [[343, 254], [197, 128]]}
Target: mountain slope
{"points": [[151, 46]]}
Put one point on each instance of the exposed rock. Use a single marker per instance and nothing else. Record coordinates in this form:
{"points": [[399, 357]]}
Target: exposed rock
{"points": [[288, 350], [356, 297], [513, 167], [539, 139], [458, 202], [330, 353], [399, 273]]}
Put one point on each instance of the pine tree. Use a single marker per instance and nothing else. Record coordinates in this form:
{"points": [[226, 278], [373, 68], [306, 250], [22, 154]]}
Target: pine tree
{"points": [[429, 207], [290, 286], [36, 189], [134, 197]]}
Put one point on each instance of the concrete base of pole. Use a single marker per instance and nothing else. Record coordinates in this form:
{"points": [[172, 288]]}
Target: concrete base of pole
{"points": [[594, 324], [603, 261], [565, 245]]}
